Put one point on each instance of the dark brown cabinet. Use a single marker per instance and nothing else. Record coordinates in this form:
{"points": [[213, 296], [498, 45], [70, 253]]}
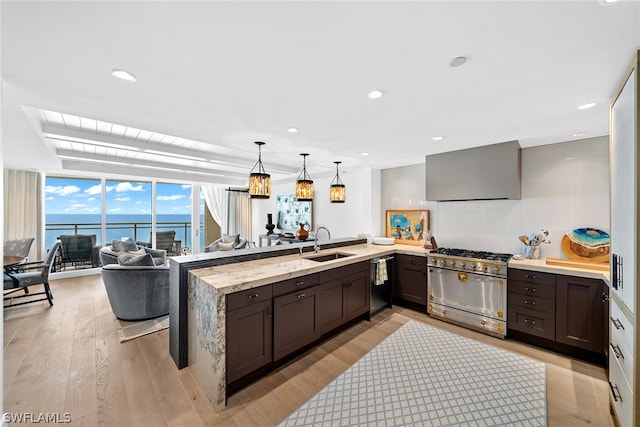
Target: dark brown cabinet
{"points": [[344, 295], [249, 331], [568, 313], [296, 315], [579, 310], [411, 283]]}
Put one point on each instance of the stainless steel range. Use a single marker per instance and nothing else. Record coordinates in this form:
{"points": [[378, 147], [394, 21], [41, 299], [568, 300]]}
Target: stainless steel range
{"points": [[469, 288]]}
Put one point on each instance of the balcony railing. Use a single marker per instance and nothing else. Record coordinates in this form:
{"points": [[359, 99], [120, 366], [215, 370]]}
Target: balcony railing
{"points": [[116, 230]]}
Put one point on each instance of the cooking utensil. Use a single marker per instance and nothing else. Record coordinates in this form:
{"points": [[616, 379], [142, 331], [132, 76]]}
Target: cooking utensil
{"points": [[525, 240]]}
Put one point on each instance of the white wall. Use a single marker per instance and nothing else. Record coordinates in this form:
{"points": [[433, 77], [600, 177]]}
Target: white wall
{"points": [[359, 214], [564, 186]]}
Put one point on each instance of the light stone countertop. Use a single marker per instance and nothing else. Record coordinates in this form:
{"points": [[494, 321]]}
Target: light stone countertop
{"points": [[240, 276], [542, 266]]}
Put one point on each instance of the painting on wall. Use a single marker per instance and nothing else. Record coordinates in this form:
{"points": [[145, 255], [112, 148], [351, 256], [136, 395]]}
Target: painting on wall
{"points": [[291, 212], [409, 227]]}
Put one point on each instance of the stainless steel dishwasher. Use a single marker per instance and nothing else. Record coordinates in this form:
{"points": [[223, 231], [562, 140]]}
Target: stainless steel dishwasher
{"points": [[381, 274]]}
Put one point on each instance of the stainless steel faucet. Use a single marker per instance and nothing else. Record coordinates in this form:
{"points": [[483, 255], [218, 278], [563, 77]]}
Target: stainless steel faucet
{"points": [[316, 246]]}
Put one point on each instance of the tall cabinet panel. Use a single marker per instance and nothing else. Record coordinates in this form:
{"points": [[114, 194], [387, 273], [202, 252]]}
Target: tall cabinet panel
{"points": [[623, 354]]}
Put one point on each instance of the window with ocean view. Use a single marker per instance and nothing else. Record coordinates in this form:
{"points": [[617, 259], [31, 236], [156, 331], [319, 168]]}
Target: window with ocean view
{"points": [[72, 206], [128, 209]]}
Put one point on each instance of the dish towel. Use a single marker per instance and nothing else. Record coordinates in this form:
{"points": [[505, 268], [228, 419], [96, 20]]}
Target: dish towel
{"points": [[382, 276]]}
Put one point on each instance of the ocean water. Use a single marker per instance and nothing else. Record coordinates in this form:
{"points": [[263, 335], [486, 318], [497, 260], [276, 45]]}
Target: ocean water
{"points": [[122, 225]]}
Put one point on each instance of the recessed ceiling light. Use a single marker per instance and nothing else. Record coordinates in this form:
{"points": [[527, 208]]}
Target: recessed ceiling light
{"points": [[577, 134], [457, 61], [375, 94], [438, 138], [292, 130], [587, 106], [609, 1], [123, 75], [364, 154]]}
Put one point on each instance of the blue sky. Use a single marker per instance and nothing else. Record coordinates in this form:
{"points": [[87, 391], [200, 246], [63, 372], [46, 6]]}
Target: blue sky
{"points": [[83, 196]]}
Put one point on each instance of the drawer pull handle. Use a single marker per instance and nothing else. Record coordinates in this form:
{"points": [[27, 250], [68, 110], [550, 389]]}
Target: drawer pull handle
{"points": [[300, 283], [605, 297], [300, 296], [528, 289], [616, 351], [530, 322], [526, 276], [615, 393], [529, 302], [253, 296], [617, 323]]}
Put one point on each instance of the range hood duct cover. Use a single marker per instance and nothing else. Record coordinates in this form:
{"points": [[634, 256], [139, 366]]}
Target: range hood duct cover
{"points": [[490, 172]]}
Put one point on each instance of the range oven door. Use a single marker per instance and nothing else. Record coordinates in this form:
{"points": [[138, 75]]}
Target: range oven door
{"points": [[475, 293]]}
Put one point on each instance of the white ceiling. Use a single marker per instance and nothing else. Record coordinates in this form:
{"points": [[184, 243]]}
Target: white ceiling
{"points": [[225, 74]]}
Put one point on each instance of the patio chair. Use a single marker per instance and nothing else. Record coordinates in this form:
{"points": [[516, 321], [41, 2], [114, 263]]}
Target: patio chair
{"points": [[34, 273], [78, 250], [17, 247], [165, 240]]}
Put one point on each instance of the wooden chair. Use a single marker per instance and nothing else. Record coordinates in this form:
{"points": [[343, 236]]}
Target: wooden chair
{"points": [[32, 273]]}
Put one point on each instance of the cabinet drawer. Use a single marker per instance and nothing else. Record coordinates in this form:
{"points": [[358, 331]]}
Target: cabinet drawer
{"points": [[623, 399], [292, 285], [533, 322], [532, 302], [532, 277], [533, 290], [411, 261], [249, 297], [621, 341], [343, 271]]}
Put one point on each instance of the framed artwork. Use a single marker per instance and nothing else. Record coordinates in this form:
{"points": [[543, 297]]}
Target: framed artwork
{"points": [[408, 227], [291, 212]]}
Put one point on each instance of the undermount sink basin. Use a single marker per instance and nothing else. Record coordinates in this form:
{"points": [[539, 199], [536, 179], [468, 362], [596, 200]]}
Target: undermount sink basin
{"points": [[329, 257]]}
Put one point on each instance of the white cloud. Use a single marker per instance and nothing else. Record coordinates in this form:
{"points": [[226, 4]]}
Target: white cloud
{"points": [[186, 186], [61, 190], [123, 187], [123, 199], [174, 197], [50, 198], [91, 199], [94, 189], [115, 210]]}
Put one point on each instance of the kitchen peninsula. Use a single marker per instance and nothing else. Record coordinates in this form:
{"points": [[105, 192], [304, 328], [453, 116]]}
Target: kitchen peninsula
{"points": [[262, 277]]}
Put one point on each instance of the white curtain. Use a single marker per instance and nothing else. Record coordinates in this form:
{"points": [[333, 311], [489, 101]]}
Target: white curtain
{"points": [[23, 209], [216, 198], [240, 214]]}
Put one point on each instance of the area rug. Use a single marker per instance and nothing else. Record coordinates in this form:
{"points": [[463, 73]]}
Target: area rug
{"points": [[130, 330], [422, 375]]}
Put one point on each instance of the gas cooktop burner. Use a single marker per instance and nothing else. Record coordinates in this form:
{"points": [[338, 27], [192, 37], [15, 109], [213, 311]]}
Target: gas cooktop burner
{"points": [[465, 253]]}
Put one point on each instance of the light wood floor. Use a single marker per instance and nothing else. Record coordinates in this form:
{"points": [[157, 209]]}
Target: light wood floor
{"points": [[67, 358]]}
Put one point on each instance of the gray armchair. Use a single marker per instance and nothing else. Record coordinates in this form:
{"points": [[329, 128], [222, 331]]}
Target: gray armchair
{"points": [[137, 292], [109, 254], [227, 242]]}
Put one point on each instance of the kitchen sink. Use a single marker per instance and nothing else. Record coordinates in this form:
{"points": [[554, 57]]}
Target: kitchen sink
{"points": [[329, 257]]}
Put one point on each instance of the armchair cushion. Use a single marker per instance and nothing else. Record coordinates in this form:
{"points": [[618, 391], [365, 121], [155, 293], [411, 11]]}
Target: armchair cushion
{"points": [[231, 238], [133, 259], [126, 245], [222, 246]]}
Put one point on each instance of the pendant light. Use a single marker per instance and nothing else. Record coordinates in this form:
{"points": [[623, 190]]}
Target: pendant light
{"points": [[337, 191], [304, 184], [259, 181]]}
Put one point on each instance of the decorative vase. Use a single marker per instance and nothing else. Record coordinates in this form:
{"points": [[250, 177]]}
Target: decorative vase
{"points": [[303, 233], [270, 225]]}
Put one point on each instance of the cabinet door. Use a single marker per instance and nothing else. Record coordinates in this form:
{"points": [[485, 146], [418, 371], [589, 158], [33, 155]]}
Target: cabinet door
{"points": [[623, 192], [412, 279], [332, 303], [579, 312], [296, 321], [358, 296], [249, 339]]}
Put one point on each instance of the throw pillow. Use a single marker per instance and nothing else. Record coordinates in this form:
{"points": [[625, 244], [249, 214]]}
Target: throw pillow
{"points": [[124, 245], [226, 246], [128, 259], [231, 238], [140, 251]]}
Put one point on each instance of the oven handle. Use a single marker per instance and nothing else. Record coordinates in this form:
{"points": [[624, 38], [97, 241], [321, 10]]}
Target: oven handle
{"points": [[434, 269]]}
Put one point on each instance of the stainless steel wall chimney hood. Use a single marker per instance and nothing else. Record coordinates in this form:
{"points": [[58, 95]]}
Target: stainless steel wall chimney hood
{"points": [[491, 172]]}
